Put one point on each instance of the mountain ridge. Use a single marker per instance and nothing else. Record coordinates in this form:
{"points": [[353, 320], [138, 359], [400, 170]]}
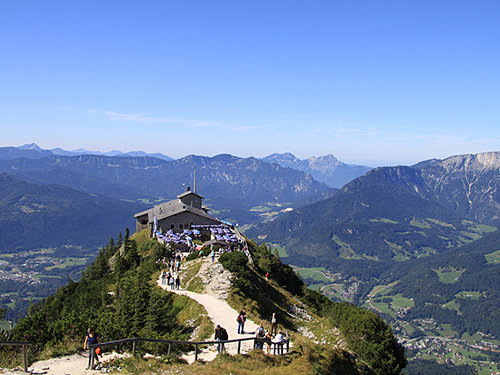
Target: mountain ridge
{"points": [[413, 208], [327, 168]]}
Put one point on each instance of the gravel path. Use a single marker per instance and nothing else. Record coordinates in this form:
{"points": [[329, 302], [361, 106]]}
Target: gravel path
{"points": [[219, 312], [215, 304]]}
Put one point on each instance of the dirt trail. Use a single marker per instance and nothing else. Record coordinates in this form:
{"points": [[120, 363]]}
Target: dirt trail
{"points": [[217, 308], [75, 364], [220, 313]]}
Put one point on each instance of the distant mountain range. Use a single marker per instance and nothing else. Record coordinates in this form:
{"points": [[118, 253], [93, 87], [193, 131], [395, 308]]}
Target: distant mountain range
{"points": [[389, 213], [227, 181], [33, 151], [395, 213], [327, 169], [232, 186]]}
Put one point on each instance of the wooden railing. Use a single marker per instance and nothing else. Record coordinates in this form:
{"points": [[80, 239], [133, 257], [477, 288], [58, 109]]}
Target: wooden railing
{"points": [[25, 345], [278, 346]]}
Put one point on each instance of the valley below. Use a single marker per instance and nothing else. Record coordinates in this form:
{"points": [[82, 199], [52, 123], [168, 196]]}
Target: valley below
{"points": [[424, 338]]}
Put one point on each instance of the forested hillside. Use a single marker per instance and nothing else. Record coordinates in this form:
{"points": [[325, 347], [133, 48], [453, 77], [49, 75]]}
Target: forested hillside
{"points": [[37, 216], [381, 216]]}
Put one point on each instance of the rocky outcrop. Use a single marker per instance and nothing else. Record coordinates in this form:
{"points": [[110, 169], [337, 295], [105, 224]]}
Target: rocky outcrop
{"points": [[216, 278], [327, 169], [467, 184]]}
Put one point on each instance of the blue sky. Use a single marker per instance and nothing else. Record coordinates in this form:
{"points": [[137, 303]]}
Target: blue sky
{"points": [[371, 82]]}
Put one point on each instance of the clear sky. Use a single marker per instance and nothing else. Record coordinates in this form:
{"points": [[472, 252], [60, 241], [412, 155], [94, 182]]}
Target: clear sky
{"points": [[371, 82]]}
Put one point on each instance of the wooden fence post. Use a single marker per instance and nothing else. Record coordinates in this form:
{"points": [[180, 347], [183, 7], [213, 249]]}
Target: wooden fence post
{"points": [[239, 346], [92, 357], [133, 346], [25, 355], [169, 348], [196, 353]]}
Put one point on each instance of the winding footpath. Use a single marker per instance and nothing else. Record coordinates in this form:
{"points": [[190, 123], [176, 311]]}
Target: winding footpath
{"points": [[220, 313], [217, 309]]}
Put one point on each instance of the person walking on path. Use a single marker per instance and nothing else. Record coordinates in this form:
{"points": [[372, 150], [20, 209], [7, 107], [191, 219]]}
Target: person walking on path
{"points": [[213, 255], [274, 324], [177, 282], [242, 317], [90, 339], [220, 335]]}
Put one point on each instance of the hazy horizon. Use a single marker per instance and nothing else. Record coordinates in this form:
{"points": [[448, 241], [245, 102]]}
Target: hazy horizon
{"points": [[372, 83]]}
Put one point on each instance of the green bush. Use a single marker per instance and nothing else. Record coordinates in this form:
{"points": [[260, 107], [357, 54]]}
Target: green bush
{"points": [[235, 262]]}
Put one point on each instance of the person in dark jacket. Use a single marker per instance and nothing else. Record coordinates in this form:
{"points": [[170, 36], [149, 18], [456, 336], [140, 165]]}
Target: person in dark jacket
{"points": [[242, 318], [220, 335], [90, 339]]}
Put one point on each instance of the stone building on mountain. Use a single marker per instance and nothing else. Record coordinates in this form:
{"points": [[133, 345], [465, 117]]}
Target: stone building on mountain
{"points": [[183, 213]]}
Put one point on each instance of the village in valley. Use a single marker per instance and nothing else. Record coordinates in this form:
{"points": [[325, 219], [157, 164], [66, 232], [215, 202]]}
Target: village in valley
{"points": [[422, 338]]}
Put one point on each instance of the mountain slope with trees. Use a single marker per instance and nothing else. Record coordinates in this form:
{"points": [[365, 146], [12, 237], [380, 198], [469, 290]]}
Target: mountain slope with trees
{"points": [[37, 216], [394, 213], [118, 296]]}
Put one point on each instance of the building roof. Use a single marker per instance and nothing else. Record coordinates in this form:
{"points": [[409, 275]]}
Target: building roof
{"points": [[188, 192], [172, 208]]}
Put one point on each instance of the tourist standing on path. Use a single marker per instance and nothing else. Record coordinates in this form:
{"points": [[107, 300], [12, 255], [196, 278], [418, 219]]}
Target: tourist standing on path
{"points": [[260, 334], [242, 317], [213, 255], [274, 324], [278, 340], [90, 339], [220, 335], [269, 341], [177, 282]]}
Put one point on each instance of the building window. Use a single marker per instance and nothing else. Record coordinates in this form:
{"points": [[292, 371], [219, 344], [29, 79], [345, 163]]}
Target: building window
{"points": [[172, 226], [181, 226]]}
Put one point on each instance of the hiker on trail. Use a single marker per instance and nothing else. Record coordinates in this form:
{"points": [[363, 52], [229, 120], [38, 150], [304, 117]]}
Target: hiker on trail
{"points": [[213, 255], [90, 339], [172, 282], [260, 334], [220, 335], [177, 282], [242, 317], [267, 277], [274, 324], [163, 277]]}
